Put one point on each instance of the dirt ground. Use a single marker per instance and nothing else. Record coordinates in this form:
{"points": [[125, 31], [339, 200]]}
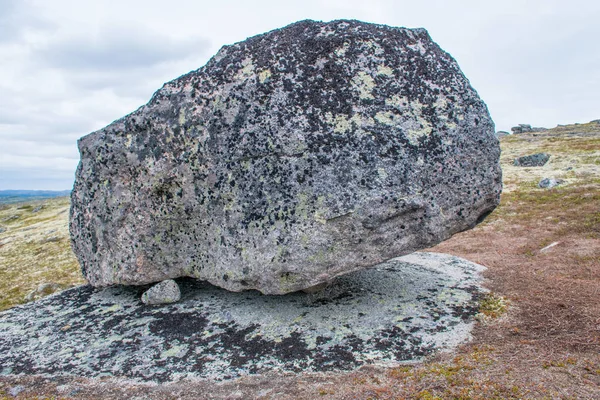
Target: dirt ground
{"points": [[542, 341]]}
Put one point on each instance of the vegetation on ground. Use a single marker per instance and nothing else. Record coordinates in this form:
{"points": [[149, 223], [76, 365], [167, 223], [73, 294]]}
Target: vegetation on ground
{"points": [[35, 249], [539, 334]]}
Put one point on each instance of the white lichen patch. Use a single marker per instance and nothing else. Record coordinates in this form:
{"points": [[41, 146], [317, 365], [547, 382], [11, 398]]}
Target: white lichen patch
{"points": [[382, 173], [418, 46], [364, 84]]}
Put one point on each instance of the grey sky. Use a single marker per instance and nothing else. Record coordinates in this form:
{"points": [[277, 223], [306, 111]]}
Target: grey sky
{"points": [[70, 67]]}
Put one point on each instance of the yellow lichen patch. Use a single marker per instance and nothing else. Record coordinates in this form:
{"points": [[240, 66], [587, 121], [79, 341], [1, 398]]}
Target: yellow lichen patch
{"points": [[341, 51], [343, 123], [413, 135], [35, 249], [247, 69], [384, 117], [419, 126], [385, 70], [264, 76], [364, 84]]}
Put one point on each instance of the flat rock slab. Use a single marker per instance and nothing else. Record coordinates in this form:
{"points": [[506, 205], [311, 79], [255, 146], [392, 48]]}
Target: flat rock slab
{"points": [[398, 311]]}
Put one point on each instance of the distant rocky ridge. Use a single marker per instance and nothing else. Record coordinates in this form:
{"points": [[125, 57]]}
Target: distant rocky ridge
{"points": [[16, 196], [525, 128], [289, 159]]}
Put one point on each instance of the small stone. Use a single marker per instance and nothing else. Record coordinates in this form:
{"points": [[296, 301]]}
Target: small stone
{"points": [[2, 229], [549, 183], [164, 292], [43, 290], [532, 160], [551, 245], [51, 239], [11, 218], [16, 390], [37, 209], [502, 133]]}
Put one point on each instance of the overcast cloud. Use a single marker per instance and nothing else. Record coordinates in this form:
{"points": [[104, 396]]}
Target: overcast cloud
{"points": [[71, 67]]}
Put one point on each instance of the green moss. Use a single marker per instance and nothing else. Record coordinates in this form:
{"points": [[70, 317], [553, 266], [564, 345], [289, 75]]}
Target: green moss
{"points": [[493, 306]]}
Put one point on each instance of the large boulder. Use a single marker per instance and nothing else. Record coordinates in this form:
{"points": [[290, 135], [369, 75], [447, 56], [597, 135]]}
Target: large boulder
{"points": [[289, 159]]}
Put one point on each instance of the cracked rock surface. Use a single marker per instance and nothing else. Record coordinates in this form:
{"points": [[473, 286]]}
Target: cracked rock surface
{"points": [[290, 158], [397, 311]]}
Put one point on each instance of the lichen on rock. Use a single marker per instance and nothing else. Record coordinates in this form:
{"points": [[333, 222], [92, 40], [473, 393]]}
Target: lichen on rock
{"points": [[290, 158]]}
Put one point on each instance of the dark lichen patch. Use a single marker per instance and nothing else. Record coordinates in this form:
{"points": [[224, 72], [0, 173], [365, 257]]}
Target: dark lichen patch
{"points": [[373, 316]]}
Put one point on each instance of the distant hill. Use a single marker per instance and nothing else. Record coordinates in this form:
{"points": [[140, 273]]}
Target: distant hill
{"points": [[17, 196]]}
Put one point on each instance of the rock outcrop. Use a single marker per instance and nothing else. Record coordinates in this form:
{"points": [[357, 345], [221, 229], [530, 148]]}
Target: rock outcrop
{"points": [[289, 159], [549, 183], [532, 160], [399, 311], [526, 128]]}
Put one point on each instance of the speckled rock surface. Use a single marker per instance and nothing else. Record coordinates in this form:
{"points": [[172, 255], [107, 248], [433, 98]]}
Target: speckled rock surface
{"points": [[398, 311], [164, 292], [288, 159]]}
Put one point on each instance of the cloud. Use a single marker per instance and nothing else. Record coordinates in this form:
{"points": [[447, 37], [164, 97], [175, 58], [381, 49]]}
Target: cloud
{"points": [[69, 84], [118, 48], [16, 21], [69, 68], [9, 26]]}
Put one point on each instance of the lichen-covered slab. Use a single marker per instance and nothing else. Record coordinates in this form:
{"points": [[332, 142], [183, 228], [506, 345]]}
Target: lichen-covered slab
{"points": [[288, 159], [398, 311]]}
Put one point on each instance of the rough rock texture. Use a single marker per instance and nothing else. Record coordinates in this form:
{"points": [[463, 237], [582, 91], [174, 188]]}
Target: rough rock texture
{"points": [[532, 160], [398, 311], [288, 159], [164, 292]]}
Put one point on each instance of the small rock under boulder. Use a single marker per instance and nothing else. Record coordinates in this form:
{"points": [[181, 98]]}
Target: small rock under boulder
{"points": [[290, 158], [532, 160], [164, 292]]}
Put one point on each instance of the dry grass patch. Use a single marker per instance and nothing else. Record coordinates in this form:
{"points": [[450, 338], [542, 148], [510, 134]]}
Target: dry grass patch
{"points": [[35, 249]]}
